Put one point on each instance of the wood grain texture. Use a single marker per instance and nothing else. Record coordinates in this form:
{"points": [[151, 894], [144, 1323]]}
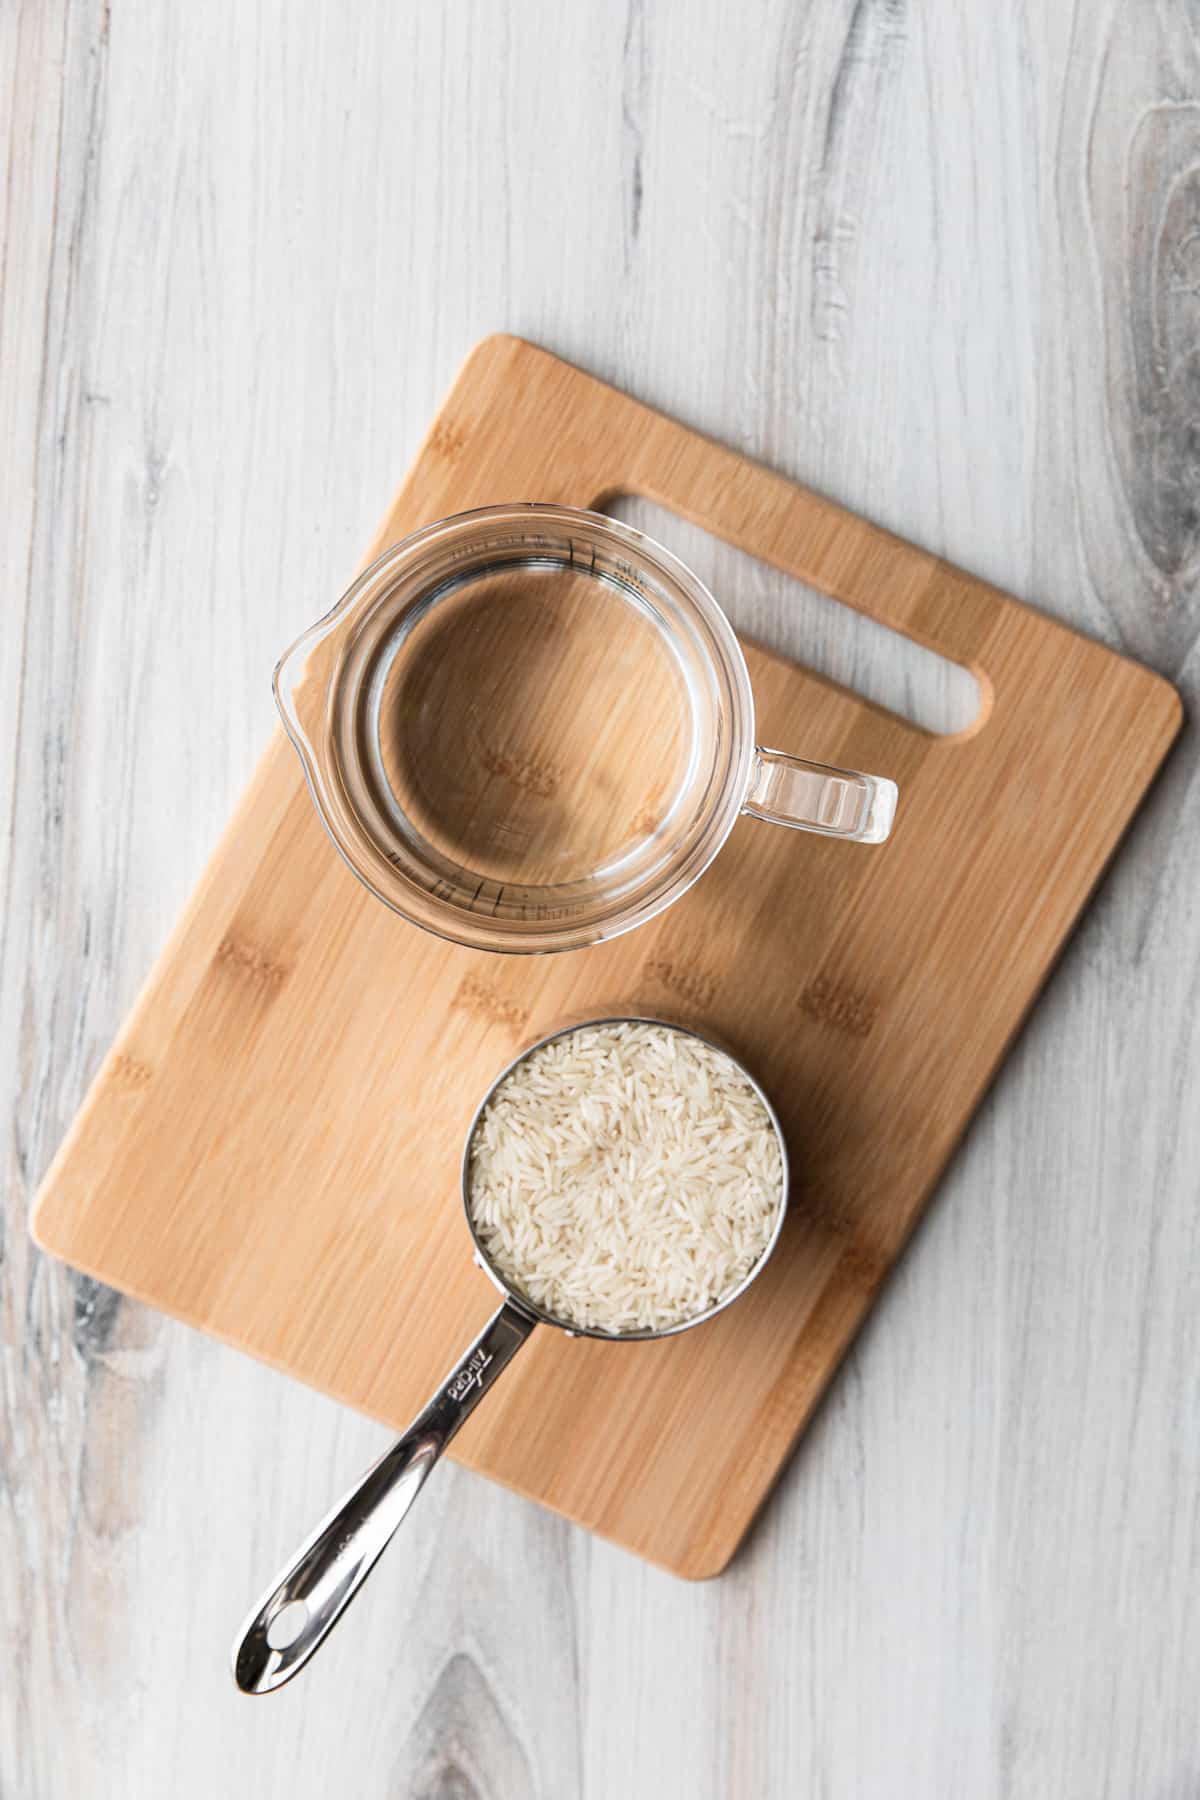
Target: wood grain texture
{"points": [[264, 1155], [897, 251]]}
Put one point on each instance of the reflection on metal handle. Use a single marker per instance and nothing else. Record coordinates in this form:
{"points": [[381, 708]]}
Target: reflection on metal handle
{"points": [[313, 1592], [813, 797]]}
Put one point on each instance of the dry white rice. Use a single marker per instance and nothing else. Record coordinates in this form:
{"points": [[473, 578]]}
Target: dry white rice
{"points": [[625, 1177]]}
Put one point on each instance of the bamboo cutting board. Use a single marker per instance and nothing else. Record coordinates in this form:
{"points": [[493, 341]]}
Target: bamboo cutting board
{"points": [[270, 1151]]}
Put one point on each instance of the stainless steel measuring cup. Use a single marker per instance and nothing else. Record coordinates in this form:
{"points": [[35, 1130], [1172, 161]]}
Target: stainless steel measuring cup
{"points": [[309, 1596]]}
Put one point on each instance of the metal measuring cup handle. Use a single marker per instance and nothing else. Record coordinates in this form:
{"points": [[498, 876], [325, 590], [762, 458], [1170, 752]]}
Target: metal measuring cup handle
{"points": [[317, 1586]]}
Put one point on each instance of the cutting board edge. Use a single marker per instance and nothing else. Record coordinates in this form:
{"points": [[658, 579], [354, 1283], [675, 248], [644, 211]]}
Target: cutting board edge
{"points": [[718, 1550], [686, 1568]]}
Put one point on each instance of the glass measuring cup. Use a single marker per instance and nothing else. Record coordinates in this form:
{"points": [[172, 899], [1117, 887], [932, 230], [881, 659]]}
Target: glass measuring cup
{"points": [[311, 1593], [530, 728]]}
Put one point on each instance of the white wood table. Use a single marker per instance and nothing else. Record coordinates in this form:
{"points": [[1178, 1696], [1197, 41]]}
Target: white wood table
{"points": [[940, 261]]}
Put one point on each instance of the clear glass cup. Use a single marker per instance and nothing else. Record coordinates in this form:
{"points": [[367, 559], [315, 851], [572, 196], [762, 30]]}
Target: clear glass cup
{"points": [[530, 728]]}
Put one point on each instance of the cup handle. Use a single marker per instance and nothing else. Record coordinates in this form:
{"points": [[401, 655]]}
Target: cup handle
{"points": [[785, 790], [327, 1571]]}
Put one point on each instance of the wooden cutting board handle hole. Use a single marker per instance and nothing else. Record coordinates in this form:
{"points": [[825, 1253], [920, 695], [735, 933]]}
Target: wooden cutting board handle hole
{"points": [[881, 665]]}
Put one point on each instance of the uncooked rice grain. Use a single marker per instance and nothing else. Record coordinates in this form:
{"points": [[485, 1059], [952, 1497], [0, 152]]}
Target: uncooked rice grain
{"points": [[625, 1177]]}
